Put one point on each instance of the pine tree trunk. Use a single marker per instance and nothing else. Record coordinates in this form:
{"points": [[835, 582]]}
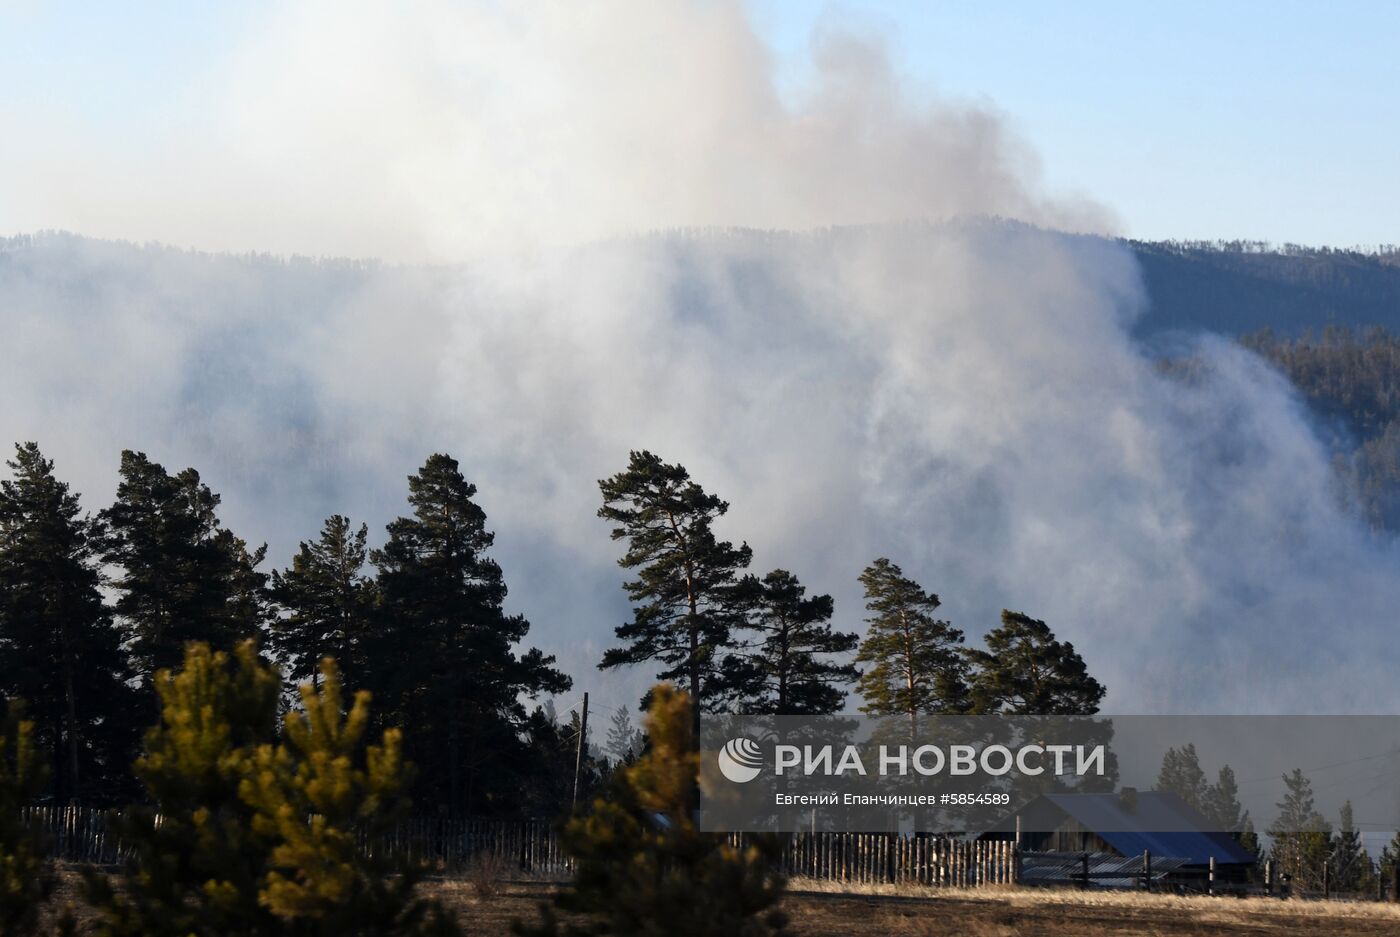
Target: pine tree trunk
{"points": [[694, 680], [70, 718], [454, 767], [694, 656]]}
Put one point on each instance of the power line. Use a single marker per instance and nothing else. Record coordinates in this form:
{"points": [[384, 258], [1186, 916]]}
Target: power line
{"points": [[1336, 764]]}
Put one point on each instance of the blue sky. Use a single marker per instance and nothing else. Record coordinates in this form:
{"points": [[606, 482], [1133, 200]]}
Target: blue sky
{"points": [[1276, 120], [1264, 120]]}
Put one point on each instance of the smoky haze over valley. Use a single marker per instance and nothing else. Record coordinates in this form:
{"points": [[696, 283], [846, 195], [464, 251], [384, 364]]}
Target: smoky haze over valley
{"points": [[857, 316], [969, 398]]}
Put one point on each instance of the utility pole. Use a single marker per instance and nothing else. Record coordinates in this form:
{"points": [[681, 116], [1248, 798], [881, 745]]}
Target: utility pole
{"points": [[578, 758]]}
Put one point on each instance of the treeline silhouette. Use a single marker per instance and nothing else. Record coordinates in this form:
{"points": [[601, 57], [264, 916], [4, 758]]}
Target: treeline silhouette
{"points": [[95, 607], [1239, 287]]}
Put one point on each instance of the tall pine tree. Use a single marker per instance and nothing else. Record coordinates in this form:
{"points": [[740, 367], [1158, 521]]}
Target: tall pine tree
{"points": [[59, 650], [1302, 839], [1390, 862], [624, 741], [444, 653], [785, 667], [915, 667], [183, 576], [1351, 863], [1181, 775], [1026, 670], [327, 600], [685, 603], [1222, 804]]}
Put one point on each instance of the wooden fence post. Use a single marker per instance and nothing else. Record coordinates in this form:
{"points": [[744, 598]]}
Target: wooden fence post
{"points": [[1210, 880], [1084, 872], [1269, 877], [1147, 869], [1326, 878]]}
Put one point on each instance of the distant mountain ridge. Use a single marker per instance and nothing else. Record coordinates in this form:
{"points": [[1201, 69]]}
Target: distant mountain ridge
{"points": [[1236, 288], [1230, 287]]}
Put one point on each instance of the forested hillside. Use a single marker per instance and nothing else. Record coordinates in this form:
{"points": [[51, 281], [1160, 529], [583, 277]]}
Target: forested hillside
{"points": [[1327, 318], [1244, 286], [1351, 380]]}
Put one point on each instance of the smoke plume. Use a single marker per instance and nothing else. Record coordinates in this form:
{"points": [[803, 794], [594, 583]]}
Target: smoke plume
{"points": [[853, 311]]}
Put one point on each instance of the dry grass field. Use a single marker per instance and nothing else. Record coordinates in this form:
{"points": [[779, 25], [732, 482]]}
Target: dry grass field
{"points": [[818, 911], [488, 906]]}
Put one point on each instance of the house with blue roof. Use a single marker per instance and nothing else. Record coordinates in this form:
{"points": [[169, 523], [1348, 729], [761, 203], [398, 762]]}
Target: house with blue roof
{"points": [[1126, 824]]}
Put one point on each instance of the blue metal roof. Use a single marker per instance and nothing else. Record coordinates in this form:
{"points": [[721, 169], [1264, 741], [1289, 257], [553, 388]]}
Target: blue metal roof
{"points": [[1130, 833]]}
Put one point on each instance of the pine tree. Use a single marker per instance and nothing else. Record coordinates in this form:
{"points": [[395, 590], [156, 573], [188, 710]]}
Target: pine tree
{"points": [[1249, 838], [1301, 837], [1389, 860], [1227, 814], [26, 876], [684, 593], [1222, 804], [785, 668], [184, 577], [1181, 775], [624, 739], [1025, 670], [58, 648], [443, 651], [547, 785], [1351, 864], [328, 602], [258, 836], [315, 795], [915, 665], [643, 866], [199, 870]]}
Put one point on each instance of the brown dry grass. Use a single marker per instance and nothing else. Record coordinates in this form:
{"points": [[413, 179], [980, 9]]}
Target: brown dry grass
{"points": [[818, 909], [1118, 898]]}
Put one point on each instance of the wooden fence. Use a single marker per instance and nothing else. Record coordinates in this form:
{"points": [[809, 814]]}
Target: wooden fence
{"points": [[532, 847], [897, 859], [512, 848], [83, 834]]}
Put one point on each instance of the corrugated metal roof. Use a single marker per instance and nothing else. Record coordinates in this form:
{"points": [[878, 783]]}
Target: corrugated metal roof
{"points": [[1132, 833], [1105, 870]]}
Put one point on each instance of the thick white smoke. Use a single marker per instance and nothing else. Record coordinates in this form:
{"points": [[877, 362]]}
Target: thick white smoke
{"points": [[438, 130], [963, 396]]}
